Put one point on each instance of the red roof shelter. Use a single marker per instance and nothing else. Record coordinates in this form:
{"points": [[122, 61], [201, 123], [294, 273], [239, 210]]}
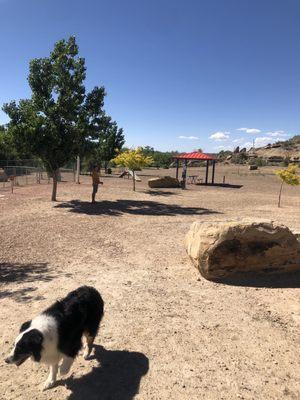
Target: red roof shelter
{"points": [[195, 156]]}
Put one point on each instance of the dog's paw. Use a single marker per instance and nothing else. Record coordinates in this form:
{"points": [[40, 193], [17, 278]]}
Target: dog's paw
{"points": [[48, 384]]}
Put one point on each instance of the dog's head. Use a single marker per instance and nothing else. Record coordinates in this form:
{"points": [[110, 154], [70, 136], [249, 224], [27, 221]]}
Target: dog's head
{"points": [[27, 344]]}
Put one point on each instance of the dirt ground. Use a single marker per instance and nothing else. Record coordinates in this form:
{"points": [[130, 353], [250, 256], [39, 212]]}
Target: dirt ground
{"points": [[167, 333]]}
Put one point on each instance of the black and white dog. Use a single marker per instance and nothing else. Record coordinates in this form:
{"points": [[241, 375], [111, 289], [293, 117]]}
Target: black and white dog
{"points": [[56, 334]]}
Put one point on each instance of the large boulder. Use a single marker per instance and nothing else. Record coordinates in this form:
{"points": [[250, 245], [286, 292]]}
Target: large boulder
{"points": [[163, 182], [221, 249]]}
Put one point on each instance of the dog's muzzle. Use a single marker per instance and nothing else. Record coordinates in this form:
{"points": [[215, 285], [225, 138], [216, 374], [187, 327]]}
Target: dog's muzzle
{"points": [[18, 362]]}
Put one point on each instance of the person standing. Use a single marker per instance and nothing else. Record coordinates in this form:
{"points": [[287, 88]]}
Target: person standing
{"points": [[95, 181]]}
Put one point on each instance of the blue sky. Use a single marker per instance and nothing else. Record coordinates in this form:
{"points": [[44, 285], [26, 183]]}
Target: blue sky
{"points": [[179, 74]]}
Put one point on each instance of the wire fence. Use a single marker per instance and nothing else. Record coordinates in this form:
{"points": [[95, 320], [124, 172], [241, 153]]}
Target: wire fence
{"points": [[18, 173]]}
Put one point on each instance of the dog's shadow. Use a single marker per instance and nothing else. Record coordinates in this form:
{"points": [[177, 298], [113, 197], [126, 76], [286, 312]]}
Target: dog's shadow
{"points": [[117, 377]]}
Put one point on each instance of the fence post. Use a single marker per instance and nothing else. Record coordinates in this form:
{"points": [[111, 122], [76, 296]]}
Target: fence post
{"points": [[78, 169], [12, 183], [74, 172]]}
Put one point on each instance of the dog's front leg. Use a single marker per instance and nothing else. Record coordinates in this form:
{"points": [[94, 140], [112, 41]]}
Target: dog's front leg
{"points": [[66, 365], [89, 346], [52, 377]]}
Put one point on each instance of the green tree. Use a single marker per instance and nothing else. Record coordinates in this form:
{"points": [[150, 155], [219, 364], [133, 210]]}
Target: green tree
{"points": [[288, 176], [58, 121], [134, 160], [160, 158], [8, 149], [109, 142], [148, 151], [239, 158], [223, 154]]}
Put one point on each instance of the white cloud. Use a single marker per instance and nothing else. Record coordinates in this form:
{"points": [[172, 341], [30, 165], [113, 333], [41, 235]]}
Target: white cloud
{"points": [[254, 131], [222, 147], [277, 134], [219, 136], [258, 142], [240, 140], [188, 137], [263, 141]]}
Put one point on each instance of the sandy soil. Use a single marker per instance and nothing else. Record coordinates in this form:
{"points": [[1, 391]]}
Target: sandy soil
{"points": [[167, 333]]}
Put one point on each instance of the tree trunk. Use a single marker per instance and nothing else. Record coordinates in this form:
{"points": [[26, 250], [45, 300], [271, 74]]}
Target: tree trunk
{"points": [[54, 187], [279, 197], [133, 179], [106, 166], [78, 170]]}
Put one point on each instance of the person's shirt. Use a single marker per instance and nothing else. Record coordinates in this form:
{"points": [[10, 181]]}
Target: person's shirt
{"points": [[95, 178]]}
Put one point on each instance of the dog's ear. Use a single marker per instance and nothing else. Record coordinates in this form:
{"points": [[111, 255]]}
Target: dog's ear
{"points": [[25, 326], [33, 340]]}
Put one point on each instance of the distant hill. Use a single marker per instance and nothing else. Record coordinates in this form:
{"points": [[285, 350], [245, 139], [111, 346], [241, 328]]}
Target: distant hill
{"points": [[281, 151], [288, 149]]}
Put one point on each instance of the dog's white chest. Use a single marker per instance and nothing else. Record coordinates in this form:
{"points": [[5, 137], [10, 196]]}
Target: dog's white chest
{"points": [[48, 326]]}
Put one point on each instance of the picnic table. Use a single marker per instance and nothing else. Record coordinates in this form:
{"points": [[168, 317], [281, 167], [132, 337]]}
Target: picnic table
{"points": [[194, 179]]}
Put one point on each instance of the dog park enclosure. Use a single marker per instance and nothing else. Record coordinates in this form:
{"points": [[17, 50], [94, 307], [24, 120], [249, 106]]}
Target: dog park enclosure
{"points": [[167, 333]]}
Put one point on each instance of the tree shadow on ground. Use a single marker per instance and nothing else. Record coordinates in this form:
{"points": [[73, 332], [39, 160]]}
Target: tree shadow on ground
{"points": [[117, 377], [17, 273], [223, 185], [135, 207], [20, 295], [160, 193], [276, 281]]}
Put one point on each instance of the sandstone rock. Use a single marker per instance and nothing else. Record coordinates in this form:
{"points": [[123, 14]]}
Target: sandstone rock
{"points": [[225, 248], [163, 182]]}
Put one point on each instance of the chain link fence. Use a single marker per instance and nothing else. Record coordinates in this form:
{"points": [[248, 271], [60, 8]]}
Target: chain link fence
{"points": [[18, 173]]}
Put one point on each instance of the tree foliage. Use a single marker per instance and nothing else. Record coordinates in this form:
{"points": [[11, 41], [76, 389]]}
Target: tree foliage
{"points": [[109, 142], [7, 149], [60, 120], [288, 176], [160, 159], [134, 160], [223, 154]]}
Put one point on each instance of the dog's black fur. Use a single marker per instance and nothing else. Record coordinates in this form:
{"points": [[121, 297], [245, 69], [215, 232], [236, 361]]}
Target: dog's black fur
{"points": [[80, 312]]}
